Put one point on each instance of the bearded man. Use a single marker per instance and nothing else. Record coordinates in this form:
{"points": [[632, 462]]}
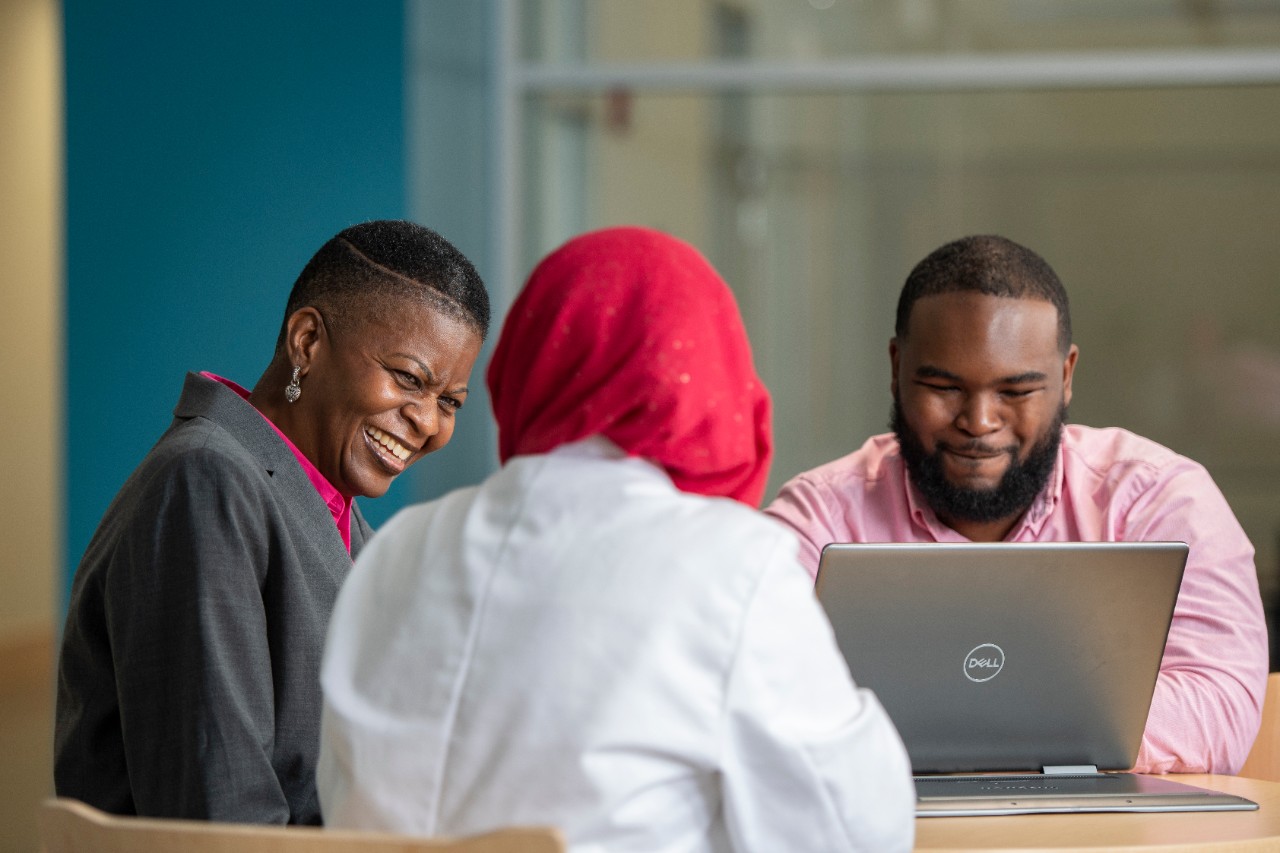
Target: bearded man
{"points": [[982, 362]]}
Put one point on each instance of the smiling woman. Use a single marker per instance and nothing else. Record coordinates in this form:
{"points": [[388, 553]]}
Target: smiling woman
{"points": [[188, 679]]}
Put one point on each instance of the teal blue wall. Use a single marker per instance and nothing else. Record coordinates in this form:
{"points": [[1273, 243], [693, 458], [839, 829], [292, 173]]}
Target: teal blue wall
{"points": [[211, 148]]}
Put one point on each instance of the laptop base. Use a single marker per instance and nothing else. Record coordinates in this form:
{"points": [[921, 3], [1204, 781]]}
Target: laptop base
{"points": [[1038, 793]]}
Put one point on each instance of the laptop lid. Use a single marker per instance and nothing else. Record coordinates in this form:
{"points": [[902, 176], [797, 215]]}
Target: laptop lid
{"points": [[1006, 656], [998, 658]]}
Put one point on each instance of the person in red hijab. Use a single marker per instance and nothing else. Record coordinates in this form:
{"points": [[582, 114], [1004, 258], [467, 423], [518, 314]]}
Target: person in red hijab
{"points": [[630, 334], [605, 635]]}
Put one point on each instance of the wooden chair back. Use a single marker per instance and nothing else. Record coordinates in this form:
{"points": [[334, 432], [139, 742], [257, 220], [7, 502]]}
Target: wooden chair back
{"points": [[70, 826]]}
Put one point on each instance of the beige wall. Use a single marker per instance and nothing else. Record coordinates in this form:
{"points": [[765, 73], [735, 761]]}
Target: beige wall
{"points": [[30, 417], [30, 314]]}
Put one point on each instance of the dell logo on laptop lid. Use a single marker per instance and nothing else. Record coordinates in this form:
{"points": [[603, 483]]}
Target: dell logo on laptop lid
{"points": [[984, 662]]}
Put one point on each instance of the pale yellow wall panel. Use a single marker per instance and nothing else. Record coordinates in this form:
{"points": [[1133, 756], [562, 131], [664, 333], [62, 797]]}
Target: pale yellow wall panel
{"points": [[30, 312]]}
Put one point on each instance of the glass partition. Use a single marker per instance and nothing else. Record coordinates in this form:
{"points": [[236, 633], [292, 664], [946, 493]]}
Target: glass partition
{"points": [[1156, 208], [1153, 194]]}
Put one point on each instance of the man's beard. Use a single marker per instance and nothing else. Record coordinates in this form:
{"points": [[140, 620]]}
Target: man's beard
{"points": [[1016, 490]]}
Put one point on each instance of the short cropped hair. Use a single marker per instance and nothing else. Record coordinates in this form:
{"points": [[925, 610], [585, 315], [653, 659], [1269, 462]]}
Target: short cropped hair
{"points": [[986, 264], [375, 266]]}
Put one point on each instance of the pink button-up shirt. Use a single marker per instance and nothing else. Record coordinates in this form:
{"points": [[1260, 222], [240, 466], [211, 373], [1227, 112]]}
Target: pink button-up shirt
{"points": [[339, 506], [1108, 485]]}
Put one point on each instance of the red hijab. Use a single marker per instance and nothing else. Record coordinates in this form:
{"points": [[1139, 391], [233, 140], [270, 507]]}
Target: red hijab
{"points": [[630, 334]]}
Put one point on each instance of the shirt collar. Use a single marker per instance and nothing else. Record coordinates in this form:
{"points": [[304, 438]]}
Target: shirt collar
{"points": [[339, 507], [1033, 520]]}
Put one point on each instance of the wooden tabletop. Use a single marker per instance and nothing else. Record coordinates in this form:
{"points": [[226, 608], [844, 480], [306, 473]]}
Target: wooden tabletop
{"points": [[1205, 832]]}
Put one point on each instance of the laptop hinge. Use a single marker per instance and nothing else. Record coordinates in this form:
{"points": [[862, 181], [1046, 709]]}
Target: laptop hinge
{"points": [[1071, 770]]}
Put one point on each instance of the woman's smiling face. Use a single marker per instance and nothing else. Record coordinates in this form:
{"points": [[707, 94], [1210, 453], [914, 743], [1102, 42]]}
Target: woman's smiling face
{"points": [[378, 393]]}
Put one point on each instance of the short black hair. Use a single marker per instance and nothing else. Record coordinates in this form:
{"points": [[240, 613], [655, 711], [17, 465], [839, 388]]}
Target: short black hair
{"points": [[374, 265], [989, 264]]}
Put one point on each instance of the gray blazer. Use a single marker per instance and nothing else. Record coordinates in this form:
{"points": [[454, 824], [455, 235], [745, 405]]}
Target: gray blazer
{"points": [[188, 681]]}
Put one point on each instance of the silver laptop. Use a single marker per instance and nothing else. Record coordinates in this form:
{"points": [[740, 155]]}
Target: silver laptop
{"points": [[1031, 659]]}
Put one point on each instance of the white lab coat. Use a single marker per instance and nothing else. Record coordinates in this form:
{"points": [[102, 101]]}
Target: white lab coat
{"points": [[576, 642]]}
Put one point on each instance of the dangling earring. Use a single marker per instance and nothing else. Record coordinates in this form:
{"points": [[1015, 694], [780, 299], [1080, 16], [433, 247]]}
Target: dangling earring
{"points": [[293, 390]]}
